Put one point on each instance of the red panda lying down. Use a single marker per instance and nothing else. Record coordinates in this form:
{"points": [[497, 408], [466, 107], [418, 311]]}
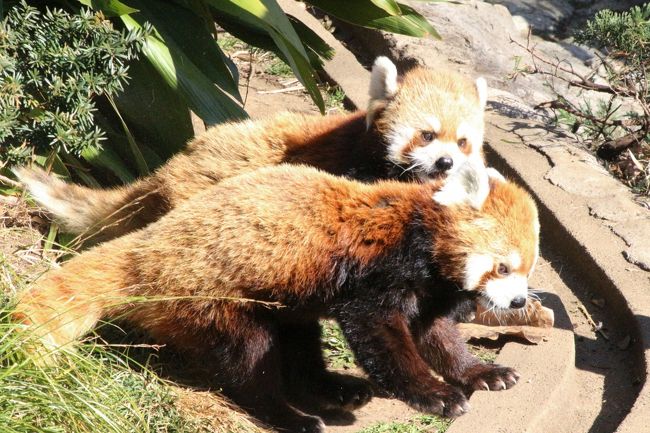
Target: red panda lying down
{"points": [[389, 261]]}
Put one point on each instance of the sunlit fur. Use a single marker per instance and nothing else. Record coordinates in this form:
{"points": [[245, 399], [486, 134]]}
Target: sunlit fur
{"points": [[385, 260], [341, 144], [444, 103]]}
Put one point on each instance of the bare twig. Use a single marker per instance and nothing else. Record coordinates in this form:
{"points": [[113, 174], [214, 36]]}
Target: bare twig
{"points": [[597, 327], [9, 182]]}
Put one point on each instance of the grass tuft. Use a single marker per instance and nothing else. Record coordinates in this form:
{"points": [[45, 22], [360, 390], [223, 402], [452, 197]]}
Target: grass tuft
{"points": [[419, 424]]}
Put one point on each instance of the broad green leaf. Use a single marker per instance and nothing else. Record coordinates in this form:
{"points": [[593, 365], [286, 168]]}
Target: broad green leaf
{"points": [[271, 14], [107, 158], [367, 14], [109, 7], [266, 16], [311, 40], [389, 6], [209, 102], [189, 31], [143, 167], [156, 114]]}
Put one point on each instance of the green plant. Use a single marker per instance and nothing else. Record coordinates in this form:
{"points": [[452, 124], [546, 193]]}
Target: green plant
{"points": [[419, 424], [623, 34], [611, 113], [279, 68], [52, 65], [184, 69], [335, 347]]}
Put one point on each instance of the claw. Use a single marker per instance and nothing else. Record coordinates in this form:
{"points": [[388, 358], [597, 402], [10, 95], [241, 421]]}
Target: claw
{"points": [[481, 384], [500, 384]]}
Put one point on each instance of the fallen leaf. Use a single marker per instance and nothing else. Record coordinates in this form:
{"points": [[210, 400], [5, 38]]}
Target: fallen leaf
{"points": [[531, 334], [534, 314]]}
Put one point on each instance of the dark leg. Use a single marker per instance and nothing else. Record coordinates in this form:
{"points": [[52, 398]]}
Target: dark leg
{"points": [[441, 345], [243, 346], [306, 375], [384, 345]]}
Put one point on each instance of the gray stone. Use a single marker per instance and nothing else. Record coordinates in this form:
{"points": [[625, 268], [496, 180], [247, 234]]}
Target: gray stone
{"points": [[544, 16], [636, 234], [581, 179], [616, 208]]}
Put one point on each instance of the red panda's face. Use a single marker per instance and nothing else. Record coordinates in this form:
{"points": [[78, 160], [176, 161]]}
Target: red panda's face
{"points": [[432, 123], [489, 244], [501, 248]]}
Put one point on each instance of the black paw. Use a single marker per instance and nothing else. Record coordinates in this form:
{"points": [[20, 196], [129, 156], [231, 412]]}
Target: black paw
{"points": [[297, 423], [446, 400], [490, 377], [346, 392]]}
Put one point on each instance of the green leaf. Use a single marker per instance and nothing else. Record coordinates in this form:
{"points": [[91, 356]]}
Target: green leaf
{"points": [[156, 113], [311, 40], [267, 17], [208, 101], [143, 167], [367, 14], [109, 7], [108, 159], [389, 6], [189, 30]]}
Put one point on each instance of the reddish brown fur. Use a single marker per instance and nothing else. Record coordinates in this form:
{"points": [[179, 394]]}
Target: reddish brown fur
{"points": [[339, 144], [370, 255]]}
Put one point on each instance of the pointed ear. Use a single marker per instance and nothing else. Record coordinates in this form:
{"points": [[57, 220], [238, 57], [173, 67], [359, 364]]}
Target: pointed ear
{"points": [[482, 90], [383, 80], [469, 185]]}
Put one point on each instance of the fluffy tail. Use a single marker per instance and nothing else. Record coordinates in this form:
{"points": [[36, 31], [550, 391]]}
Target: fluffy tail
{"points": [[66, 303], [95, 214]]}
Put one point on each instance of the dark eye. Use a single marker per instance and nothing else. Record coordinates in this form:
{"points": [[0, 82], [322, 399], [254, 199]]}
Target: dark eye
{"points": [[503, 269], [428, 135], [462, 142]]}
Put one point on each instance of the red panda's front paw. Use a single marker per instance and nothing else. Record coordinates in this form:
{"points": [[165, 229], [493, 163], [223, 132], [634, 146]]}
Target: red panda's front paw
{"points": [[490, 377], [446, 400]]}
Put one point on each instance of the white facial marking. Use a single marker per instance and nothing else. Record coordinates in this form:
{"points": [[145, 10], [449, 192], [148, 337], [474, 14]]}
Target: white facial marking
{"points": [[468, 185], [434, 123], [514, 260], [477, 265], [425, 157], [500, 292], [397, 139], [383, 79]]}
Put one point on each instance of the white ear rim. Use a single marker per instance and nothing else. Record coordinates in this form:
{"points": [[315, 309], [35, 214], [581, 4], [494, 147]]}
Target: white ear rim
{"points": [[383, 79], [469, 185], [482, 90]]}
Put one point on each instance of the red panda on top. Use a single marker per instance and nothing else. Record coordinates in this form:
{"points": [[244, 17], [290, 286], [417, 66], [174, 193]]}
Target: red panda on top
{"points": [[389, 261], [420, 127]]}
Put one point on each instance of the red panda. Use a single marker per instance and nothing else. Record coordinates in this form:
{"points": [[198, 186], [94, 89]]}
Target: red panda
{"points": [[389, 261], [422, 127]]}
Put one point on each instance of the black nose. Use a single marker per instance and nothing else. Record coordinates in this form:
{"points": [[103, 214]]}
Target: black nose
{"points": [[444, 163], [518, 302]]}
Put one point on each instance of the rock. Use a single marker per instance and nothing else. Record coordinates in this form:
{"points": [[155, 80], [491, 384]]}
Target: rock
{"points": [[615, 208], [636, 235], [545, 16], [581, 179]]}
